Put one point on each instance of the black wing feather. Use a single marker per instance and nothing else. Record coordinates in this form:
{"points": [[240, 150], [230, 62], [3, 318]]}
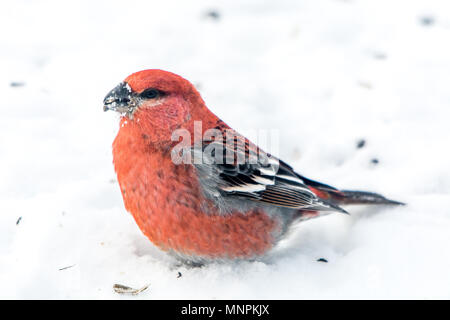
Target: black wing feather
{"points": [[268, 181]]}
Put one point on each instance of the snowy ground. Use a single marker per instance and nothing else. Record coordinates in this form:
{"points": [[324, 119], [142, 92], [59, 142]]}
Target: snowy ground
{"points": [[325, 73]]}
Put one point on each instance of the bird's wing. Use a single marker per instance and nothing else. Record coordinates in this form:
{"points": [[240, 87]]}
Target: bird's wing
{"points": [[241, 169]]}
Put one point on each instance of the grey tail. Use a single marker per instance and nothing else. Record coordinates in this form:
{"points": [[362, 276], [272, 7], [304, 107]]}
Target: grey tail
{"points": [[330, 194], [362, 197]]}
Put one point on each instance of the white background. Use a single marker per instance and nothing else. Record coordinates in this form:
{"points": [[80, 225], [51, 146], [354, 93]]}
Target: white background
{"points": [[325, 73]]}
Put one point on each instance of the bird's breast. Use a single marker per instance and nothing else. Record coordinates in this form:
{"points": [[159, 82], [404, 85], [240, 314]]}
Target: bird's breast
{"points": [[169, 206]]}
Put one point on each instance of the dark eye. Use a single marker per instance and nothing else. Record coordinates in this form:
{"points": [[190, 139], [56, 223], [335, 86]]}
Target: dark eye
{"points": [[150, 93]]}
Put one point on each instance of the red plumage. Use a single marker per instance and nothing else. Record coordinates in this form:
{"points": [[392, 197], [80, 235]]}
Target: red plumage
{"points": [[172, 204]]}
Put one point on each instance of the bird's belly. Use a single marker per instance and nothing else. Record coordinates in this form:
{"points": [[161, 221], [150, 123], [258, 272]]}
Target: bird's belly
{"points": [[167, 208], [197, 235]]}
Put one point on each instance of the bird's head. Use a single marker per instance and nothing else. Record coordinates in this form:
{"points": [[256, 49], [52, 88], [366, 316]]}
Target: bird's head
{"points": [[151, 89], [158, 100]]}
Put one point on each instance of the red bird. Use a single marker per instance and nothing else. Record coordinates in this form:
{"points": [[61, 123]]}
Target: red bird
{"points": [[237, 202]]}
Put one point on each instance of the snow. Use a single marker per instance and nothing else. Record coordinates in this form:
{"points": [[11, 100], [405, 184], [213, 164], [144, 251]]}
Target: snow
{"points": [[323, 73]]}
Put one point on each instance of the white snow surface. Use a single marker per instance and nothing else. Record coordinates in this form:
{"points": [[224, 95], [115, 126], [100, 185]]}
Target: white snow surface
{"points": [[324, 73]]}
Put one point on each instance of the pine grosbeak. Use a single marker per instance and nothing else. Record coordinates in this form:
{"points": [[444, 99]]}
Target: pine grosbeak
{"points": [[221, 207]]}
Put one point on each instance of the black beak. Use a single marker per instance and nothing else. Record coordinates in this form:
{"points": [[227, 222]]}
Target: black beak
{"points": [[120, 99]]}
